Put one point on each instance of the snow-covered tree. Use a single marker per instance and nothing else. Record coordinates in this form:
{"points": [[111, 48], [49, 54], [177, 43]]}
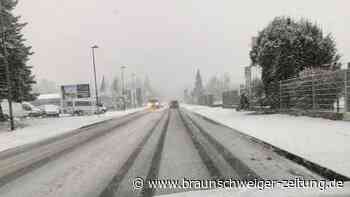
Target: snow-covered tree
{"points": [[217, 85], [116, 87], [286, 47], [17, 55], [214, 87], [103, 87], [257, 91], [198, 90], [186, 97]]}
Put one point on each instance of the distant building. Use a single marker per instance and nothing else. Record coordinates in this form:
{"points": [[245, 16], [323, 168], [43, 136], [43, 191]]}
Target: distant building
{"points": [[46, 99]]}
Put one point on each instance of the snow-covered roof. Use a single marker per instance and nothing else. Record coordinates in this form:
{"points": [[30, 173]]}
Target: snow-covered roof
{"points": [[49, 96]]}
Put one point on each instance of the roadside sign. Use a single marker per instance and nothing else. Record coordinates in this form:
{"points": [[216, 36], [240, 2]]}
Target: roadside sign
{"points": [[75, 91], [83, 91]]}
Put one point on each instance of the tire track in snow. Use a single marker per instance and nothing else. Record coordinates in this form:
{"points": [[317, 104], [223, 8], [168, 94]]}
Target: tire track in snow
{"points": [[154, 171], [204, 155], [114, 184], [59, 147], [242, 169]]}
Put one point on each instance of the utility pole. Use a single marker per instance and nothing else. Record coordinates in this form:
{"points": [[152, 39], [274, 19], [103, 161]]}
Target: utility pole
{"points": [[123, 86], [6, 64], [133, 78], [94, 65]]}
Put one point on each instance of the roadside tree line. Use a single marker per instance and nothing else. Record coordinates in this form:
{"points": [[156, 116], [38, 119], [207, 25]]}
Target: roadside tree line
{"points": [[215, 86], [15, 71]]}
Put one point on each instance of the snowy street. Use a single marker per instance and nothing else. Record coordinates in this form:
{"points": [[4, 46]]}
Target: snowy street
{"points": [[174, 98], [104, 159]]}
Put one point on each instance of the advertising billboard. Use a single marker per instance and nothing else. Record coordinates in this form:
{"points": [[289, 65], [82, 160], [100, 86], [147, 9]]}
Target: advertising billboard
{"points": [[75, 91]]}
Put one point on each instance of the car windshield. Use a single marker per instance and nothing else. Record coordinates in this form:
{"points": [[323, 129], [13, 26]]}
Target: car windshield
{"points": [[174, 98]]}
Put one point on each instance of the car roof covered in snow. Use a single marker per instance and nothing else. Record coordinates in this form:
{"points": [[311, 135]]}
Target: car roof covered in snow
{"points": [[49, 96]]}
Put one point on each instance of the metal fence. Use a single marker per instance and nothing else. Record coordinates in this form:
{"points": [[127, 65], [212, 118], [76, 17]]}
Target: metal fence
{"points": [[320, 91]]}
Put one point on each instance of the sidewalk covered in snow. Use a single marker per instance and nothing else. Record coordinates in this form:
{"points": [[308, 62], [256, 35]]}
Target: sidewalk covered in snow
{"points": [[37, 129], [325, 142]]}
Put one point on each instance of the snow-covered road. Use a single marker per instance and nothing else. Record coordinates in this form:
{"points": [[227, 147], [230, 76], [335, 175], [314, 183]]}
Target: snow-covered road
{"points": [[164, 144], [84, 171]]}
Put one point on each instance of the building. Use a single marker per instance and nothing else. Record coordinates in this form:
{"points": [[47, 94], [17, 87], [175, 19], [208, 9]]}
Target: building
{"points": [[48, 99]]}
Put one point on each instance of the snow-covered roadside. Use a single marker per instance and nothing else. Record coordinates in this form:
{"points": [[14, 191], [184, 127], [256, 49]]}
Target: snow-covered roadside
{"points": [[321, 141], [41, 129]]}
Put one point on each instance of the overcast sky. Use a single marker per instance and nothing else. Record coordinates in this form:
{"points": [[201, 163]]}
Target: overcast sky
{"points": [[165, 39]]}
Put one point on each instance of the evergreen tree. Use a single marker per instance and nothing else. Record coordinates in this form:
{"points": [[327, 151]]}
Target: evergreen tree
{"points": [[186, 96], [103, 87], [198, 90], [116, 87], [148, 91], [17, 55], [286, 47], [213, 87], [216, 86]]}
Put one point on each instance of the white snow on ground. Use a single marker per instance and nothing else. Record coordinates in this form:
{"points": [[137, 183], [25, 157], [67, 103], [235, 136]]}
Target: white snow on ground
{"points": [[325, 142], [41, 129]]}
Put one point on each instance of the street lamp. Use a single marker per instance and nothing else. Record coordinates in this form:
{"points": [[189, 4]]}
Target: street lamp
{"points": [[122, 73], [123, 86], [133, 94], [94, 65]]}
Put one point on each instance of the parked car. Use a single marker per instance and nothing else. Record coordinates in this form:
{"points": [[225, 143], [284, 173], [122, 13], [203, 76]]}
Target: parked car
{"points": [[82, 106], [101, 109], [51, 110], [31, 110], [174, 104]]}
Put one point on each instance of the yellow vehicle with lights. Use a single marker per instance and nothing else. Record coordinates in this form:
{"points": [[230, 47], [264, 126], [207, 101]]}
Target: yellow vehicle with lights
{"points": [[153, 104]]}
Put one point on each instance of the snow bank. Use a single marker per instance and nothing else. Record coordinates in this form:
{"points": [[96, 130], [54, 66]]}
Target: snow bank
{"points": [[321, 141], [41, 129]]}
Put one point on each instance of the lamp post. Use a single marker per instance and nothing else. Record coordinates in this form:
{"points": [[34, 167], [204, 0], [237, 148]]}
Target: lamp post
{"points": [[94, 65], [123, 86], [133, 82]]}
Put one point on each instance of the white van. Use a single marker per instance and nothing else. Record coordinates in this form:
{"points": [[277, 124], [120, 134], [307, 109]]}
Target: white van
{"points": [[50, 110], [23, 109], [81, 106]]}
